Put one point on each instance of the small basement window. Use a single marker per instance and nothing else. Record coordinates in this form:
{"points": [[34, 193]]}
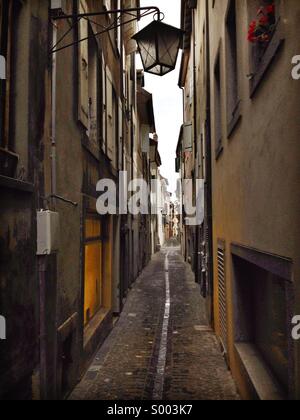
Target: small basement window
{"points": [[262, 327]]}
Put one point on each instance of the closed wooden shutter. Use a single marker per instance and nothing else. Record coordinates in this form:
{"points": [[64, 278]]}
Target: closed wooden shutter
{"points": [[120, 128], [104, 118], [83, 68], [222, 294], [110, 117], [145, 142], [119, 29]]}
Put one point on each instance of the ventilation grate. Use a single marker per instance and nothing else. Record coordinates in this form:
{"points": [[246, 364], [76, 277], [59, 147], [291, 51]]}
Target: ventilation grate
{"points": [[222, 294]]}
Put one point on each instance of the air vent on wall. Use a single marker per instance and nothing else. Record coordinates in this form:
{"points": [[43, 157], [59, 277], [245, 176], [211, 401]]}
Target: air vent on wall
{"points": [[222, 294]]}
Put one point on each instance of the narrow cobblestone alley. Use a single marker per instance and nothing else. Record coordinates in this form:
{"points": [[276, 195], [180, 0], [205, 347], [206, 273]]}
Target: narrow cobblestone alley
{"points": [[133, 363]]}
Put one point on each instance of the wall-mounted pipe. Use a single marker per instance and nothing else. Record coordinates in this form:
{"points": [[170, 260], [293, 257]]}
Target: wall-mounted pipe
{"points": [[53, 117], [42, 261]]}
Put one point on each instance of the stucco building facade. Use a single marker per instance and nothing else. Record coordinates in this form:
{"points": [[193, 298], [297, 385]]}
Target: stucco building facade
{"points": [[69, 117], [246, 94]]}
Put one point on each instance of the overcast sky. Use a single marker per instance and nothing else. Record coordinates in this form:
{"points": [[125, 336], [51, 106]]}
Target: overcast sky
{"points": [[167, 97]]}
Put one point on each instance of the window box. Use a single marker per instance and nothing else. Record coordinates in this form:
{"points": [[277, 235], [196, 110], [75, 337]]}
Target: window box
{"points": [[8, 163]]}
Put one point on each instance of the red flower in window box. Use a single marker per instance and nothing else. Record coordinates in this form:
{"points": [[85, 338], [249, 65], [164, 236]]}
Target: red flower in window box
{"points": [[271, 9], [260, 30]]}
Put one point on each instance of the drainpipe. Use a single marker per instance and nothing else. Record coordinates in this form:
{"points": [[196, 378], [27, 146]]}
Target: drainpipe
{"points": [[183, 176], [195, 96], [42, 260], [53, 116], [43, 342], [194, 83], [208, 147]]}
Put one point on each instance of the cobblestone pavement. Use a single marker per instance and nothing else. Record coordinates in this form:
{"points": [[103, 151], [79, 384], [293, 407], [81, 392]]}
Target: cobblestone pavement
{"points": [[129, 364]]}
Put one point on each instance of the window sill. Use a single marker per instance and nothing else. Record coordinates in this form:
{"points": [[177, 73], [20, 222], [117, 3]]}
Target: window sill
{"points": [[96, 331], [266, 61], [264, 385], [15, 184]]}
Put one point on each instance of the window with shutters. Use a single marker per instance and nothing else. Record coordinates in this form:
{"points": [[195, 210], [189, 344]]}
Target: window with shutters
{"points": [[112, 116], [90, 79], [93, 74], [83, 67]]}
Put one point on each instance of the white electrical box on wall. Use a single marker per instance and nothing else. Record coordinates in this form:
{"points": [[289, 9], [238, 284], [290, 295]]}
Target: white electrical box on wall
{"points": [[47, 232]]}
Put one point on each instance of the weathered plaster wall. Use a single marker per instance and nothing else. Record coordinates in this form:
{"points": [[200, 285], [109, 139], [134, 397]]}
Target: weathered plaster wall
{"points": [[256, 179], [18, 270]]}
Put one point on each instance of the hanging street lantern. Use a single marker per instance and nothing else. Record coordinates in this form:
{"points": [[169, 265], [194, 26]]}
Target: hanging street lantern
{"points": [[158, 45]]}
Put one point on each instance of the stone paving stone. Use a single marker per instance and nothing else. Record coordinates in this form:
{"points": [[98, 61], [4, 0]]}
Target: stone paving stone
{"points": [[125, 366]]}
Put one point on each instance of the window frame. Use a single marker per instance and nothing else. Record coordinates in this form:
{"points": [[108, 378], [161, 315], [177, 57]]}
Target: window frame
{"points": [[259, 69], [233, 104], [218, 121], [94, 239]]}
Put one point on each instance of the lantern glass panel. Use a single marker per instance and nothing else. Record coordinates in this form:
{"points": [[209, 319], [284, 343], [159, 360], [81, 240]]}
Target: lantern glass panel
{"points": [[168, 45], [148, 53], [158, 46]]}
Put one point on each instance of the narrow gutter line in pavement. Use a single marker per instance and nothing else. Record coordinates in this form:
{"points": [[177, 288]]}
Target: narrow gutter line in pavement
{"points": [[162, 359]]}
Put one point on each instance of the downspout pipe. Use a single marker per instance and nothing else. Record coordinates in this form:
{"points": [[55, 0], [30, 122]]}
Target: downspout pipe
{"points": [[53, 117], [43, 334], [195, 96], [195, 106], [209, 205], [42, 260]]}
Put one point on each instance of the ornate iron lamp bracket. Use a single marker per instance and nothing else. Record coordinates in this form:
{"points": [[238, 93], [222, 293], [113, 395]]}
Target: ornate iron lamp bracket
{"points": [[142, 12]]}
